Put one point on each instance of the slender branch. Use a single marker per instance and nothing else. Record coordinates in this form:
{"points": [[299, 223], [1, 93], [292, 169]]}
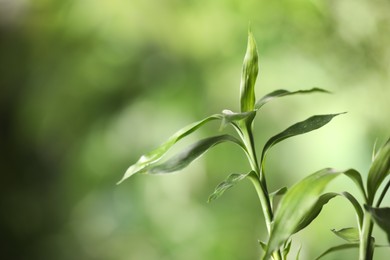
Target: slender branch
{"points": [[364, 237], [366, 252], [259, 186], [265, 202], [261, 189]]}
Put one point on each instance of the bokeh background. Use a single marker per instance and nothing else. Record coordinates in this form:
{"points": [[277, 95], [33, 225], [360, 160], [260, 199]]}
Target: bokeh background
{"points": [[88, 86]]}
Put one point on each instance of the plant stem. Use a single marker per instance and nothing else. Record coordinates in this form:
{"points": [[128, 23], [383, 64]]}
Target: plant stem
{"points": [[265, 202], [366, 248], [255, 178], [366, 251], [266, 207]]}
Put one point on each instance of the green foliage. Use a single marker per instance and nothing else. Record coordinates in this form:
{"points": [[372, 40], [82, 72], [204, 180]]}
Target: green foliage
{"points": [[155, 155], [382, 217], [358, 208], [338, 248], [87, 88], [380, 168], [361, 237], [186, 156], [281, 93], [350, 235], [299, 128], [250, 69], [300, 204], [315, 210], [297, 205]]}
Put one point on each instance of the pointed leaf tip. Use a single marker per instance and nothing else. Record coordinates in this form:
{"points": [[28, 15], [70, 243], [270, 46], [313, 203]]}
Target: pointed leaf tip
{"points": [[308, 125], [296, 207], [338, 248], [350, 234], [189, 154], [380, 169], [282, 93], [250, 70], [154, 156]]}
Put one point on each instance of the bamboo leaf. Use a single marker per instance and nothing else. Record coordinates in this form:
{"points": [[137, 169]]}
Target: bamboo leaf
{"points": [[345, 246], [278, 192], [302, 204], [188, 155], [231, 180], [338, 248], [299, 128], [356, 205], [356, 177], [155, 155], [273, 195], [315, 210], [250, 69], [282, 93], [380, 168], [350, 235], [262, 245], [381, 217], [322, 201], [296, 205]]}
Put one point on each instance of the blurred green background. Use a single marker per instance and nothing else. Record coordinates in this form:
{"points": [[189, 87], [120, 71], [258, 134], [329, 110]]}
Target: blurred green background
{"points": [[88, 86]]}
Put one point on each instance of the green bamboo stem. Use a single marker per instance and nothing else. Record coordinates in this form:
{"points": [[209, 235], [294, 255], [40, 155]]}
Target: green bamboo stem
{"points": [[260, 187], [365, 247], [255, 178]]}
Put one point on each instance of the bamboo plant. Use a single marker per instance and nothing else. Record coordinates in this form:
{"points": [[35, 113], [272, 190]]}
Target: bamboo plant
{"points": [[301, 203]]}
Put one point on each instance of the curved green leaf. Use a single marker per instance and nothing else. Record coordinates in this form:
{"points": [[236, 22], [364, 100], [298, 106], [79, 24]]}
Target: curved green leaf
{"points": [[296, 205], [188, 155], [282, 93], [324, 199], [356, 205], [250, 69], [350, 235], [343, 247], [380, 168], [338, 248], [299, 128], [315, 210], [262, 245], [279, 192], [381, 217], [155, 155], [231, 180], [356, 177]]}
